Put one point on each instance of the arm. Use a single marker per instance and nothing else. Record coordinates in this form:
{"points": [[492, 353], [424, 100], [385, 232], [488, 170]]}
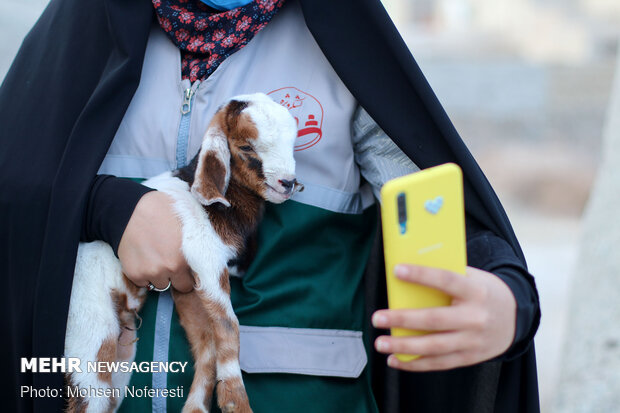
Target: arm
{"points": [[111, 203]]}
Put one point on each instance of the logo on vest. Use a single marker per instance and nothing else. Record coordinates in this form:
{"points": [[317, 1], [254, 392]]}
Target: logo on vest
{"points": [[307, 111]]}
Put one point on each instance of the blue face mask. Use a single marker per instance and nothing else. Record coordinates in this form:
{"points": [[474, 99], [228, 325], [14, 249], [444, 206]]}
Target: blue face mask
{"points": [[223, 5]]}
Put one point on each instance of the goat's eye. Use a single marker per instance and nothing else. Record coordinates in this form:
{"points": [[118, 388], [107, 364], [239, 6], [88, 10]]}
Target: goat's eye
{"points": [[246, 148]]}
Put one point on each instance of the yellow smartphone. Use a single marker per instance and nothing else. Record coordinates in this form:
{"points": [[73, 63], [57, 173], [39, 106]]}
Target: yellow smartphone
{"points": [[423, 221]]}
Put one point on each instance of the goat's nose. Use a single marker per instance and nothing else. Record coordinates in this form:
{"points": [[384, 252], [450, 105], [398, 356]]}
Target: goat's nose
{"points": [[288, 184]]}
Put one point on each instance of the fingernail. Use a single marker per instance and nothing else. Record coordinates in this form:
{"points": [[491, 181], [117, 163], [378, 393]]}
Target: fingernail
{"points": [[401, 271], [383, 345], [379, 320], [392, 361]]}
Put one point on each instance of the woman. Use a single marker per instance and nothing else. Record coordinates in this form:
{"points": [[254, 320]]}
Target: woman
{"points": [[68, 104]]}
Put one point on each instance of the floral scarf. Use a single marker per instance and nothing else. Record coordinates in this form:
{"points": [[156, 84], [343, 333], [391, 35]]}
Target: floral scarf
{"points": [[207, 36]]}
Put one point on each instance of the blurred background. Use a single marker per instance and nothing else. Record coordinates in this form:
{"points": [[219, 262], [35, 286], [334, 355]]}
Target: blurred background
{"points": [[527, 83]]}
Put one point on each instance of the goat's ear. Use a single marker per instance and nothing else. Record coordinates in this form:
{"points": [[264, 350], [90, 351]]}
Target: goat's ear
{"points": [[213, 170]]}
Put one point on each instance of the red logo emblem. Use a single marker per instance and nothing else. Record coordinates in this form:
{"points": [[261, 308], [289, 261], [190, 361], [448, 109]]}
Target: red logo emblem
{"points": [[307, 111]]}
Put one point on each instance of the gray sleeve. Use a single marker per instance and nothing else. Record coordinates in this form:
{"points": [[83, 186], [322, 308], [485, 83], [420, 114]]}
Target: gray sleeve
{"points": [[379, 158]]}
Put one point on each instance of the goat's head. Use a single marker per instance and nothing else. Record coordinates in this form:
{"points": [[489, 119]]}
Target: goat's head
{"points": [[250, 140]]}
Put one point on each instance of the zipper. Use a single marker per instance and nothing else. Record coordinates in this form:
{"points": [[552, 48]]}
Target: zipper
{"points": [[185, 123], [186, 106]]}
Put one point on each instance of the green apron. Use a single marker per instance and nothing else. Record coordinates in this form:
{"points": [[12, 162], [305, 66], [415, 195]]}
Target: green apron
{"points": [[308, 273]]}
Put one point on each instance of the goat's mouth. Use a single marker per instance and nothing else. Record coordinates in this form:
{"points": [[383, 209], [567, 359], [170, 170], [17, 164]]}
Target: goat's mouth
{"points": [[273, 195], [281, 187]]}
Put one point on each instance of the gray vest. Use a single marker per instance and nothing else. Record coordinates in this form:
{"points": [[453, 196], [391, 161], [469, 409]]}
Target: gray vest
{"points": [[167, 118]]}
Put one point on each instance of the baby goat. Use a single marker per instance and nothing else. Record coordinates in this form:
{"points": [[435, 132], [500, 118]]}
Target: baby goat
{"points": [[246, 158]]}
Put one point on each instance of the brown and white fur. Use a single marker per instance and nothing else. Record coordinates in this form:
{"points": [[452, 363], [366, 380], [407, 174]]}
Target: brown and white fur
{"points": [[246, 158]]}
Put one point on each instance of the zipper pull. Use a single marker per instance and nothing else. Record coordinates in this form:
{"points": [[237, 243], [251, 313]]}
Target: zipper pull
{"points": [[186, 107]]}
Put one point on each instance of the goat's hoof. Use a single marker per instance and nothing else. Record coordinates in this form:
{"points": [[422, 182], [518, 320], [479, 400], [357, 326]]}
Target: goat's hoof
{"points": [[230, 408], [190, 408], [231, 397]]}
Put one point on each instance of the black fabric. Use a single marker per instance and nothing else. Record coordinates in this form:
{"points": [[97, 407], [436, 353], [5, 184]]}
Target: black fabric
{"points": [[110, 204], [58, 119]]}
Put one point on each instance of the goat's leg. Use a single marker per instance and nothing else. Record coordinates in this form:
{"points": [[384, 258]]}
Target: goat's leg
{"points": [[118, 344], [127, 306], [198, 327], [102, 307], [231, 394], [92, 344]]}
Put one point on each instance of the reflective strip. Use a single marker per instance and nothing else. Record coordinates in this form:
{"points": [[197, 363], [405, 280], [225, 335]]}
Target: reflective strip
{"points": [[330, 199], [133, 166], [309, 351], [161, 346]]}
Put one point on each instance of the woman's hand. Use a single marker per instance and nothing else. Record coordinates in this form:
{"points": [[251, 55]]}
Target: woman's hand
{"points": [[150, 248], [478, 326]]}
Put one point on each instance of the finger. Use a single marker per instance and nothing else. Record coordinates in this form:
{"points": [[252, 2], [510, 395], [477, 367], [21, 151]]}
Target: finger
{"points": [[426, 345], [449, 282], [428, 319], [137, 281], [435, 363], [183, 281], [141, 283]]}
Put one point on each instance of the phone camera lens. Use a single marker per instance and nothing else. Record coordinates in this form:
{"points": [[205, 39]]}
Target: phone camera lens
{"points": [[402, 212]]}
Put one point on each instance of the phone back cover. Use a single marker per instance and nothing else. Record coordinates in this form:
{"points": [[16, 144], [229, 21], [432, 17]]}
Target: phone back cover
{"points": [[434, 235]]}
